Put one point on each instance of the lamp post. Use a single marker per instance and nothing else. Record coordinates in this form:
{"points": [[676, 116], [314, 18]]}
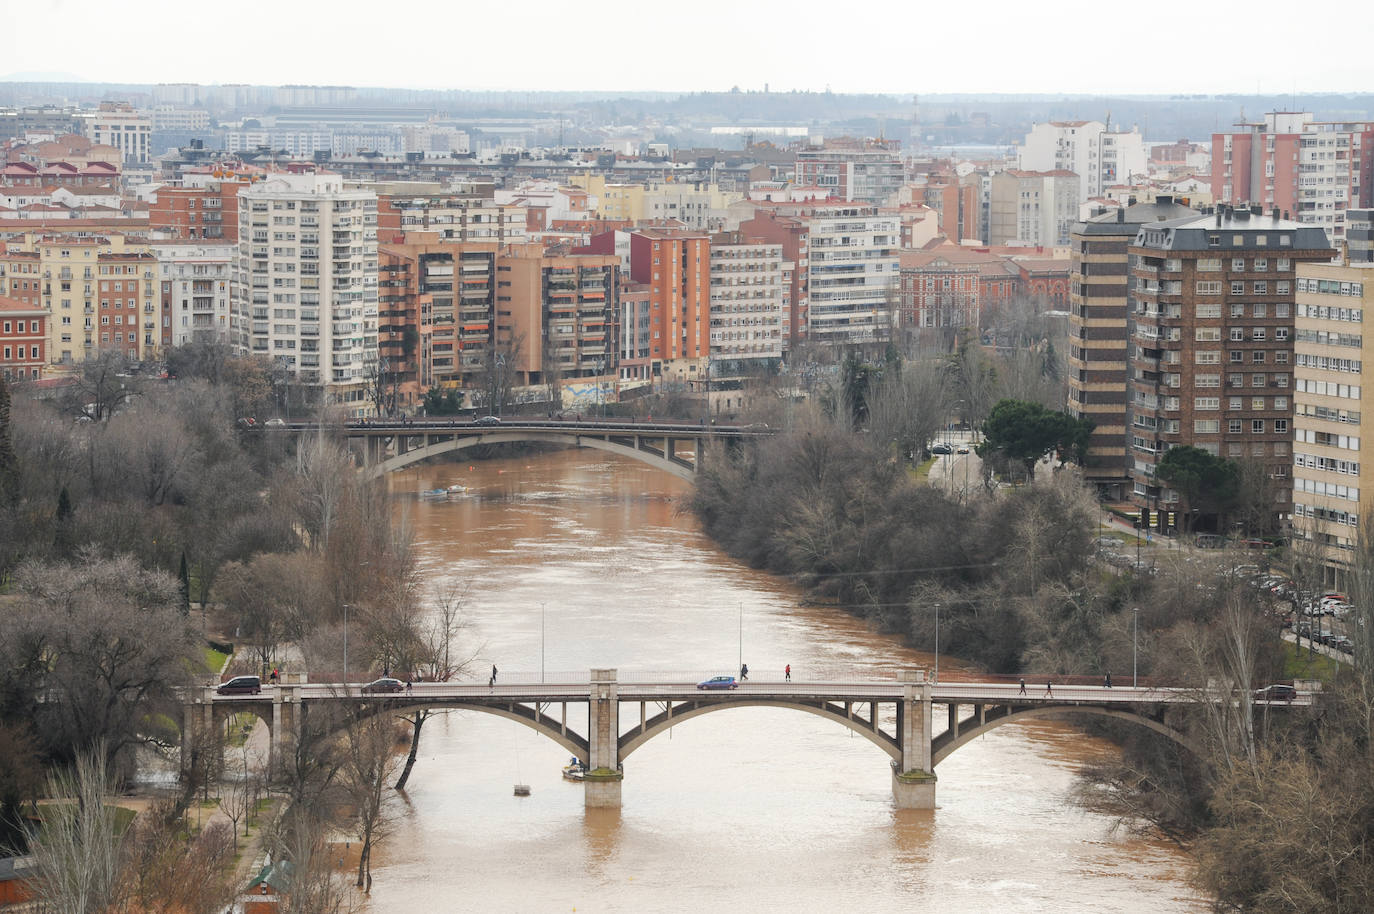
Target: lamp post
{"points": [[1135, 639], [741, 636], [937, 642], [345, 669], [541, 642]]}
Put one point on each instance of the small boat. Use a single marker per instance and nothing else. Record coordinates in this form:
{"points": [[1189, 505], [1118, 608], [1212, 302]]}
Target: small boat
{"points": [[522, 790], [574, 770], [456, 489], [434, 494]]}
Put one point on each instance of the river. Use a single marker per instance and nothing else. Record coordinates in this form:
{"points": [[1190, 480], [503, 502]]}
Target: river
{"points": [[578, 560]]}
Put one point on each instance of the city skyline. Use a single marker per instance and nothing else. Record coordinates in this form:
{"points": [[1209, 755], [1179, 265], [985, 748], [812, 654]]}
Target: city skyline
{"points": [[722, 46]]}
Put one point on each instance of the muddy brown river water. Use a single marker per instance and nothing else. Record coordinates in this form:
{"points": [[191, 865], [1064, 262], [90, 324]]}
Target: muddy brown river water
{"points": [[751, 810]]}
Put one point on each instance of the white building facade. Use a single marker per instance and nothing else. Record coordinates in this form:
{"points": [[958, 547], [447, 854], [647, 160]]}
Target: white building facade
{"points": [[1099, 157], [305, 284], [196, 281], [852, 273], [748, 313]]}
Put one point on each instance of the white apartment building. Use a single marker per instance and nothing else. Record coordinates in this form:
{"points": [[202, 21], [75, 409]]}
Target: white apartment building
{"points": [[171, 117], [748, 313], [852, 273], [305, 283], [195, 284], [1330, 451], [119, 125], [1032, 207], [1099, 157], [302, 143]]}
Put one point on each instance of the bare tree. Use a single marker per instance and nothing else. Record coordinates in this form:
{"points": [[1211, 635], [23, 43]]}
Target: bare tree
{"points": [[168, 872], [325, 473], [909, 406], [78, 854], [369, 763], [382, 380], [315, 887], [500, 369]]}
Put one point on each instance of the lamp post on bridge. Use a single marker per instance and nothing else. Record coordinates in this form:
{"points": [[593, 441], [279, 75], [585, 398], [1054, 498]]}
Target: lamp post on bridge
{"points": [[1135, 638], [541, 642], [937, 642], [345, 669]]}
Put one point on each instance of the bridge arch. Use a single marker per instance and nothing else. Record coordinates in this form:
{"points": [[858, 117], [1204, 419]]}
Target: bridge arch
{"points": [[680, 469], [944, 744], [662, 721], [524, 714]]}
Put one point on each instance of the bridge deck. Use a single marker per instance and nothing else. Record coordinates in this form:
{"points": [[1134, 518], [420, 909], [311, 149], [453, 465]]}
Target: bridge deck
{"points": [[963, 692]]}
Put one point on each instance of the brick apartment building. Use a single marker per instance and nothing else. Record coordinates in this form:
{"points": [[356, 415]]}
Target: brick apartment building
{"points": [[1099, 335], [1211, 357], [23, 340]]}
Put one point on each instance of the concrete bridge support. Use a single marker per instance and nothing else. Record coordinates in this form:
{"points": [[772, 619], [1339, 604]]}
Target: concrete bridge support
{"points": [[913, 778], [602, 782]]}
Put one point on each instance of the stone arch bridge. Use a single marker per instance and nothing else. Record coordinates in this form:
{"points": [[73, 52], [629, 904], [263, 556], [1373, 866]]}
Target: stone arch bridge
{"points": [[679, 448], [603, 720]]}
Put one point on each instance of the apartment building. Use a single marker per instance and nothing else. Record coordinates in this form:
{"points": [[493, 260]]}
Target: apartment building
{"points": [[1329, 451], [948, 288], [1099, 334], [1313, 170], [562, 310], [98, 290], [453, 216], [117, 124], [305, 284], [635, 332], [846, 287], [676, 266], [194, 282], [748, 302], [23, 340], [867, 171], [1089, 149], [1211, 363], [204, 212], [698, 205], [1032, 207]]}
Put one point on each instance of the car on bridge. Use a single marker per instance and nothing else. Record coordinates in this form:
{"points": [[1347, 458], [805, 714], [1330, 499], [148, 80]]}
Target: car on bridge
{"points": [[487, 420], [1276, 692], [718, 682], [241, 685], [383, 686]]}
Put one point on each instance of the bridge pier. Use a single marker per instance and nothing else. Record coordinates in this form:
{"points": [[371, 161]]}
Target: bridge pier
{"points": [[601, 785], [913, 778]]}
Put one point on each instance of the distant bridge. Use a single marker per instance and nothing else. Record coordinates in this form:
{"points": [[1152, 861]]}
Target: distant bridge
{"points": [[895, 715], [388, 445]]}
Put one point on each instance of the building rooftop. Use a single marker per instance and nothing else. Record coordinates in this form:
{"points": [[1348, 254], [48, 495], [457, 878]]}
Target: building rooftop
{"points": [[1230, 228]]}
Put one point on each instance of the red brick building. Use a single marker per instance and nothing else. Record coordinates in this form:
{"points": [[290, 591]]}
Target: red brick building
{"points": [[198, 213], [23, 340]]}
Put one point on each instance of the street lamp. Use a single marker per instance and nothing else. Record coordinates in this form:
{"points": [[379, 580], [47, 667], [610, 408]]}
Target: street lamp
{"points": [[1135, 638], [741, 636], [345, 669], [541, 642], [937, 642]]}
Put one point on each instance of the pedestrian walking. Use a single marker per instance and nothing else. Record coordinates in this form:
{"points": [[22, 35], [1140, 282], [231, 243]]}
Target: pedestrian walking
{"points": [[410, 686], [744, 672], [1023, 687], [787, 673], [1049, 689], [275, 677], [1108, 681], [493, 674]]}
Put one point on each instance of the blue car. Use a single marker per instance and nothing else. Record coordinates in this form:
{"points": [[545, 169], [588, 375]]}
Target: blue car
{"points": [[718, 682]]}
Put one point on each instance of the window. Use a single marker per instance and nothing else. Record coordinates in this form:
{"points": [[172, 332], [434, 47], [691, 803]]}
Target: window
{"points": [[1237, 334], [1281, 426], [1206, 426], [1261, 264], [1235, 403], [1283, 264], [1209, 264], [1171, 402], [1280, 380], [1237, 355], [1237, 288], [1261, 287], [1206, 403], [1207, 380], [1257, 426], [1281, 309], [1280, 333], [1233, 427], [1205, 357], [1257, 403], [1207, 334], [1237, 310], [1280, 403], [1237, 264], [1258, 333], [1256, 380], [1282, 287], [1209, 311], [1258, 309], [1281, 357], [1208, 287], [1257, 357]]}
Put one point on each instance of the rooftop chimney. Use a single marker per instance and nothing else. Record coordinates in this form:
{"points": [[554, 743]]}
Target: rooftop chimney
{"points": [[1120, 214], [1276, 213]]}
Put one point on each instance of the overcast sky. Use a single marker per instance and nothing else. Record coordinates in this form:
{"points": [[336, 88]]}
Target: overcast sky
{"points": [[901, 46]]}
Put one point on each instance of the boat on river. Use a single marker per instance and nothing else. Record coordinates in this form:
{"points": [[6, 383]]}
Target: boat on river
{"points": [[574, 770], [456, 489], [434, 494]]}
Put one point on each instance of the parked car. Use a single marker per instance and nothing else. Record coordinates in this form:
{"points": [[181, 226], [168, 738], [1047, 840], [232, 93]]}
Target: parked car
{"points": [[1342, 644], [1276, 692], [940, 449], [241, 685], [487, 420], [384, 685], [718, 682], [275, 422]]}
